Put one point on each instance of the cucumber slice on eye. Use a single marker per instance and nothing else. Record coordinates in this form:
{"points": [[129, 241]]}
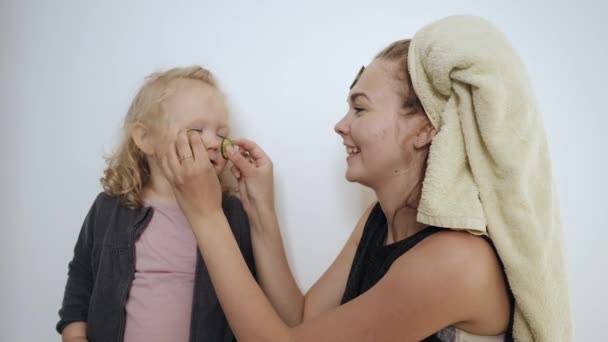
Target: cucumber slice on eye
{"points": [[225, 143]]}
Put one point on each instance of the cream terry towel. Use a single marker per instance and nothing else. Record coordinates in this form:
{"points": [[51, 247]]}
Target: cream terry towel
{"points": [[488, 169]]}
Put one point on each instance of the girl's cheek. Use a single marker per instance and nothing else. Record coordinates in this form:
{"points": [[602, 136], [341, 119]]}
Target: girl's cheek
{"points": [[221, 165]]}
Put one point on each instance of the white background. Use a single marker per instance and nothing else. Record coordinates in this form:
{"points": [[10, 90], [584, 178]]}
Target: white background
{"points": [[70, 68]]}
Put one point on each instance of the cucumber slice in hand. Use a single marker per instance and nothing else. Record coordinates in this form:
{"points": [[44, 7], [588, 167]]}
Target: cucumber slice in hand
{"points": [[225, 143]]}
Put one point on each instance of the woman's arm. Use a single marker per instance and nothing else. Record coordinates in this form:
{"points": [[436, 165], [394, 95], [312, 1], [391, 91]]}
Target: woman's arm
{"points": [[273, 272], [438, 283], [277, 281], [327, 292]]}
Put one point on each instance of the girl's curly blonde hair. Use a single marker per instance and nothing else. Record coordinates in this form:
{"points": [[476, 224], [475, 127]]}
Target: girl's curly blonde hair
{"points": [[127, 169]]}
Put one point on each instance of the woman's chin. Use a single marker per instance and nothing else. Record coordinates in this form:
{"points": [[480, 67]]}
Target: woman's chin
{"points": [[353, 176]]}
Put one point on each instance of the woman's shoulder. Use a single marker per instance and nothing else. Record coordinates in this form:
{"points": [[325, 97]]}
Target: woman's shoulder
{"points": [[459, 251], [372, 213], [465, 270], [452, 263]]}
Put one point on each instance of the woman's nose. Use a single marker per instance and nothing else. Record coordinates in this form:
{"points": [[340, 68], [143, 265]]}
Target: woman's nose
{"points": [[343, 126]]}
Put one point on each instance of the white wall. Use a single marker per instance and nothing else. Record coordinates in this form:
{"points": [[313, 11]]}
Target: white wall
{"points": [[69, 69]]}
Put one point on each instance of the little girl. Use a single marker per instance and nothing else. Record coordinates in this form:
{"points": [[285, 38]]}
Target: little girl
{"points": [[136, 274]]}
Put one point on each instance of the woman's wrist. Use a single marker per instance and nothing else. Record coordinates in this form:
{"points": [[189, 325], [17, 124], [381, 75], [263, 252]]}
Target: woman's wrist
{"points": [[265, 217], [206, 221]]}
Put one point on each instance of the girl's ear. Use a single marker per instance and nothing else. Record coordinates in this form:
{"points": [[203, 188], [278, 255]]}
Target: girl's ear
{"points": [[142, 138]]}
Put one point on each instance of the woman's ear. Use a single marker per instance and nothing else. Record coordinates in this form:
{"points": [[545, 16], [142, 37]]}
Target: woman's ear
{"points": [[142, 138], [425, 134]]}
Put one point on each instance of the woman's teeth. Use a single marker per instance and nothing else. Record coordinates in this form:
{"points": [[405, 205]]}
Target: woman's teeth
{"points": [[352, 150]]}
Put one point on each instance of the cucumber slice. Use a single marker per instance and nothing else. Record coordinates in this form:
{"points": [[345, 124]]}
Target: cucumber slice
{"points": [[225, 143]]}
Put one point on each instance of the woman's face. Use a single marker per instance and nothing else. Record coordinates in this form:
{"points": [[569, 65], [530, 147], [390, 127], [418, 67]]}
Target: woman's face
{"points": [[382, 139]]}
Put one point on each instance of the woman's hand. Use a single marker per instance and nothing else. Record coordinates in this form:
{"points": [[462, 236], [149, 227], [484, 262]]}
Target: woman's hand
{"points": [[188, 169], [254, 171]]}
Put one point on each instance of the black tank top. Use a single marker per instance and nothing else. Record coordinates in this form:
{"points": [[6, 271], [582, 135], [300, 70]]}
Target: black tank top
{"points": [[373, 259]]}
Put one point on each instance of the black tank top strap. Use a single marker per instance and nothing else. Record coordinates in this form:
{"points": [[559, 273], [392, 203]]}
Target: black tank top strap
{"points": [[374, 258]]}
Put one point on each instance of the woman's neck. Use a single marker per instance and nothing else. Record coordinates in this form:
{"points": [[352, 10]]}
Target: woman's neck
{"points": [[399, 200]]}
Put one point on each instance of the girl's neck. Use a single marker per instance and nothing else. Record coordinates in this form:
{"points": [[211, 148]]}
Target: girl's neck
{"points": [[158, 188]]}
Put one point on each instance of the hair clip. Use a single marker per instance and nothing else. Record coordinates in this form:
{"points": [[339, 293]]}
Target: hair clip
{"points": [[357, 77]]}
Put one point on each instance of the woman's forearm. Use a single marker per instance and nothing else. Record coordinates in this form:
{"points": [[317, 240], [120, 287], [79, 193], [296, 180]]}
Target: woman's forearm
{"points": [[251, 315], [272, 268]]}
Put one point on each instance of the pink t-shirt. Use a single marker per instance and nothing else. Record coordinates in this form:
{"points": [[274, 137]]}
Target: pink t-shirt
{"points": [[160, 299]]}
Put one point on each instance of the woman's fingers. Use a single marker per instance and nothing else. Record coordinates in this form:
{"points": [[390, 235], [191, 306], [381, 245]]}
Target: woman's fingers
{"points": [[174, 161], [255, 151], [163, 162], [168, 161], [244, 194], [198, 148], [235, 172], [184, 151], [244, 166]]}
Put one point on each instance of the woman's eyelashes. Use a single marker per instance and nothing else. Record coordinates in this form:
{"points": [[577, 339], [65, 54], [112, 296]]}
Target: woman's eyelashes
{"points": [[358, 110]]}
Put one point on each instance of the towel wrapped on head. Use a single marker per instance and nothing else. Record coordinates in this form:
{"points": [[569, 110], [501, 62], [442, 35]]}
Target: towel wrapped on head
{"points": [[489, 170]]}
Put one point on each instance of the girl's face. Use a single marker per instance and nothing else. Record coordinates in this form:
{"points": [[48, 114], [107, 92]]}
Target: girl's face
{"points": [[196, 105], [382, 139]]}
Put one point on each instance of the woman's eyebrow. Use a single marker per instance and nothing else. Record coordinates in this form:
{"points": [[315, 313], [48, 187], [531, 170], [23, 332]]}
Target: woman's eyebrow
{"points": [[354, 96]]}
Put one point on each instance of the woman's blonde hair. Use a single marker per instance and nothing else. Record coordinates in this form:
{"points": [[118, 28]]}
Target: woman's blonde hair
{"points": [[397, 52], [127, 169]]}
